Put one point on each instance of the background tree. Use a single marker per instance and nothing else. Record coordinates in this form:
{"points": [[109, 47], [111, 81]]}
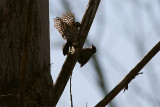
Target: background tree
{"points": [[17, 22]]}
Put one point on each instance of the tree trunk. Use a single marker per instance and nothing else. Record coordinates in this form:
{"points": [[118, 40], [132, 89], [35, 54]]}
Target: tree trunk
{"points": [[38, 81]]}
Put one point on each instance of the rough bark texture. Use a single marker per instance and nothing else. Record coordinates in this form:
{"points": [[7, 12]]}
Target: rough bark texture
{"points": [[39, 85]]}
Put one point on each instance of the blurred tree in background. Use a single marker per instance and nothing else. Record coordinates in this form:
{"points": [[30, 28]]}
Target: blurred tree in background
{"points": [[25, 78], [123, 32]]}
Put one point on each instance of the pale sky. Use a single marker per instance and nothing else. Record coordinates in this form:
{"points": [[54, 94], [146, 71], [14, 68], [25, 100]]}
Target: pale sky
{"points": [[123, 32]]}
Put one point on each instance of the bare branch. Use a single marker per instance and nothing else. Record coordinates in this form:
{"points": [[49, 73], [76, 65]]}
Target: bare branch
{"points": [[71, 91], [130, 76], [71, 59]]}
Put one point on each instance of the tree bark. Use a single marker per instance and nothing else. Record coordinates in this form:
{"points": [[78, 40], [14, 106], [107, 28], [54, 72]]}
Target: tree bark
{"points": [[38, 81]]}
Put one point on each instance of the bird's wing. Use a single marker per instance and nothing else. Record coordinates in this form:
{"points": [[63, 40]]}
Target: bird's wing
{"points": [[68, 18], [63, 28]]}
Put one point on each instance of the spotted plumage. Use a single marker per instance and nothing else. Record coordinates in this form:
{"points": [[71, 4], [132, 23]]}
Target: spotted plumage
{"points": [[86, 54], [63, 28], [66, 26], [68, 18], [68, 29]]}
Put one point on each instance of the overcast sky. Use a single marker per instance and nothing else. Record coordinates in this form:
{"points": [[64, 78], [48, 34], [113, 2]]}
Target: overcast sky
{"points": [[123, 32]]}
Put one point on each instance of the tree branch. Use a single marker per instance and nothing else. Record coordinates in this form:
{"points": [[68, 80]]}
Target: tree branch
{"points": [[71, 91], [132, 74], [71, 59]]}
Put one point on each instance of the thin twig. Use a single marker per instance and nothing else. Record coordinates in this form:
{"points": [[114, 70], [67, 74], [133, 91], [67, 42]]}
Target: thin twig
{"points": [[9, 95], [71, 59], [71, 91], [25, 55], [130, 76]]}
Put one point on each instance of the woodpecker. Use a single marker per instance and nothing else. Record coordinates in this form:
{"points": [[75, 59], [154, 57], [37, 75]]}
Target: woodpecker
{"points": [[68, 29], [86, 54]]}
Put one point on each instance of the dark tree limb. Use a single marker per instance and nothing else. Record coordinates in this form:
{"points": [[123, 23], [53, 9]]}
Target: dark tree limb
{"points": [[131, 75], [71, 59]]}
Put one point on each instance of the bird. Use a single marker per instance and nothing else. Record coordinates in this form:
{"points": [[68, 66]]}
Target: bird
{"points": [[65, 48], [86, 54], [68, 29]]}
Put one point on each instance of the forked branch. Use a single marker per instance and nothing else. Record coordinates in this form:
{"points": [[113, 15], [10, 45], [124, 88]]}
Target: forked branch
{"points": [[71, 59]]}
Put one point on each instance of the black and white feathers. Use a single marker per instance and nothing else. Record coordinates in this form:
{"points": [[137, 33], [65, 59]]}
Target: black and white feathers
{"points": [[66, 26], [68, 29], [86, 54]]}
